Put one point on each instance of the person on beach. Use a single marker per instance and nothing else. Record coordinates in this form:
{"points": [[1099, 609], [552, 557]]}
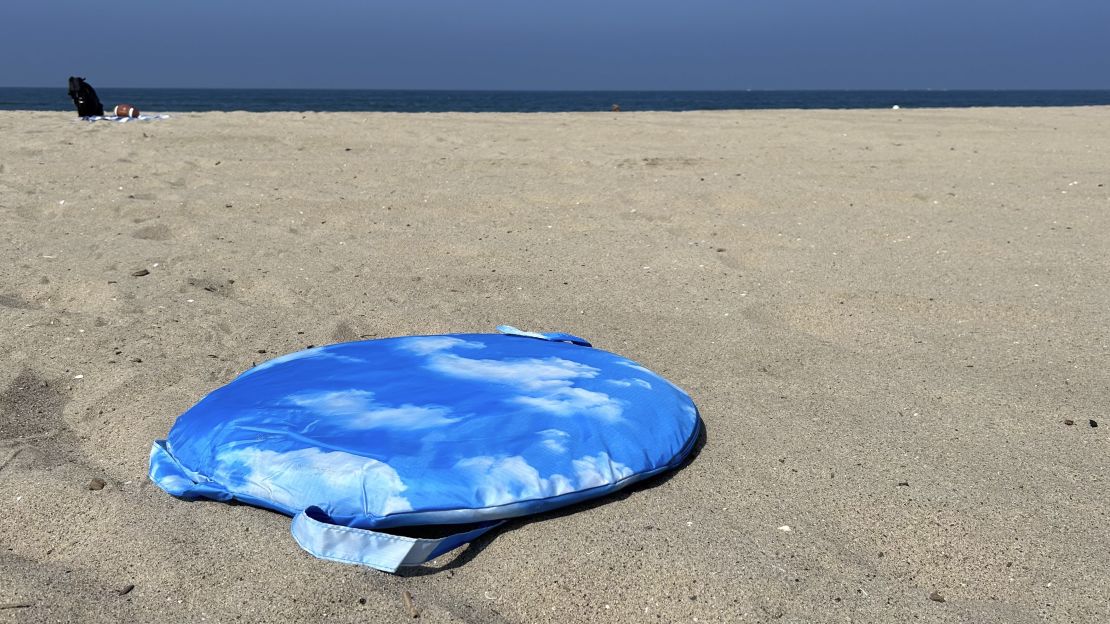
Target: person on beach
{"points": [[84, 98]]}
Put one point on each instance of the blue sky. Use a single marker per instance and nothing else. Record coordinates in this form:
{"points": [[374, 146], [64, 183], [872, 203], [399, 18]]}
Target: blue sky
{"points": [[568, 44]]}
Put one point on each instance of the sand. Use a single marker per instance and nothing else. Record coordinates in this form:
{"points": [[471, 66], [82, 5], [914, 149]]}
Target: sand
{"points": [[887, 319]]}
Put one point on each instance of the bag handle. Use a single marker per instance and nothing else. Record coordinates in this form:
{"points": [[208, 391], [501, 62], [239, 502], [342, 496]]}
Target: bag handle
{"points": [[382, 551], [509, 330]]}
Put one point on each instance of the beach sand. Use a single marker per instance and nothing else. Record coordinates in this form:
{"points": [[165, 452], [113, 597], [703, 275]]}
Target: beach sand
{"points": [[885, 317]]}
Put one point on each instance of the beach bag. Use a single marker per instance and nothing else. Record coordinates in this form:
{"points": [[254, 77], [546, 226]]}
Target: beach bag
{"points": [[362, 442], [84, 98]]}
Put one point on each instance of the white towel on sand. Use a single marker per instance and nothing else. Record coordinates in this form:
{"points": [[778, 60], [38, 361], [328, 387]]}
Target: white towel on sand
{"points": [[123, 119]]}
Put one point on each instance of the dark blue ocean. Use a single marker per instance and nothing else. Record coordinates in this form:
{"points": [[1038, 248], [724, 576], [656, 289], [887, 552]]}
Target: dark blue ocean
{"points": [[260, 100]]}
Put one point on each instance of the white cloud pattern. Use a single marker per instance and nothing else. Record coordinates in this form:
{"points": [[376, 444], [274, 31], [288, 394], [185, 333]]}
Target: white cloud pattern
{"points": [[571, 401], [426, 345], [510, 479], [175, 484], [628, 383], [547, 383], [528, 373], [272, 475], [554, 440], [359, 411], [597, 470], [505, 480]]}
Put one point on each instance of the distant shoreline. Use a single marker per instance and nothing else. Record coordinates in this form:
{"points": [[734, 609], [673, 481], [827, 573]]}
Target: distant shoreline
{"points": [[333, 100]]}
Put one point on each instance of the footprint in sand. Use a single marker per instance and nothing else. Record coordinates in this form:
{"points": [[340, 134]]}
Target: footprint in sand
{"points": [[33, 427], [157, 232], [17, 303]]}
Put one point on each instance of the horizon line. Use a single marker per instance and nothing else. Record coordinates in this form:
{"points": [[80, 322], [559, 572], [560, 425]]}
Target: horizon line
{"points": [[499, 90]]}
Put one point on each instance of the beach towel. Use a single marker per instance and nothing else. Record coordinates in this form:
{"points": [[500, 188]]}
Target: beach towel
{"points": [[123, 119], [361, 442]]}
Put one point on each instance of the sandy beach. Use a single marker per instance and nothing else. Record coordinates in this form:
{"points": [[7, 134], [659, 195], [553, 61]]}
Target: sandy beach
{"points": [[894, 323]]}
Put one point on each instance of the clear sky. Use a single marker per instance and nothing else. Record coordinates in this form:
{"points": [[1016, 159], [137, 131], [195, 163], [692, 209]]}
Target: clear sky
{"points": [[560, 44]]}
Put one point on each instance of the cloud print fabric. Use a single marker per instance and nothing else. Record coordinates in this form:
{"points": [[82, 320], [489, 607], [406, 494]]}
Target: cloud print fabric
{"points": [[426, 430]]}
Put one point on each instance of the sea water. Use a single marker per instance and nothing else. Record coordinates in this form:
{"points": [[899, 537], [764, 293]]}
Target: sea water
{"points": [[264, 100]]}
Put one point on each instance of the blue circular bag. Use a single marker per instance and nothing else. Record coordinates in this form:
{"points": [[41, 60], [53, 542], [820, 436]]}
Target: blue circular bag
{"points": [[428, 430]]}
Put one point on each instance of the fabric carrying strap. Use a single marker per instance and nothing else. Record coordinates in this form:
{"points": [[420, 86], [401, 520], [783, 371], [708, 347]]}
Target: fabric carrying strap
{"points": [[509, 330], [314, 531], [381, 551]]}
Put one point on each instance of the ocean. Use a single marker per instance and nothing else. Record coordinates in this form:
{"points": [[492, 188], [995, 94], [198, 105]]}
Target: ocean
{"points": [[263, 100]]}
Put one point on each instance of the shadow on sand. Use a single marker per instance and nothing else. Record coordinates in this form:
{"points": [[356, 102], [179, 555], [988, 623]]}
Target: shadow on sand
{"points": [[473, 549]]}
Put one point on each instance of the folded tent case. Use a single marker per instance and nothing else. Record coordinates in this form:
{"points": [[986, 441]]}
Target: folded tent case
{"points": [[358, 438]]}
